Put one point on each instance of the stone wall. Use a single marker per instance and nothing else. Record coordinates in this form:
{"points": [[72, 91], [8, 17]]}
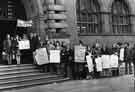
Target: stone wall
{"points": [[37, 10], [106, 25]]}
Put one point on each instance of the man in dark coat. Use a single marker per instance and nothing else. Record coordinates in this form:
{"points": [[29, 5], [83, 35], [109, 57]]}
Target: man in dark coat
{"points": [[133, 57], [127, 59]]}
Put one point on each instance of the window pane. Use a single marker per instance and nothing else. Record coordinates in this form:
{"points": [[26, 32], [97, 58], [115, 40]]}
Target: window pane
{"points": [[120, 19], [87, 16]]}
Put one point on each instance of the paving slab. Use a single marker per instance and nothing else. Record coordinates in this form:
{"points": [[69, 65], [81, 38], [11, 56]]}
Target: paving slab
{"points": [[116, 84]]}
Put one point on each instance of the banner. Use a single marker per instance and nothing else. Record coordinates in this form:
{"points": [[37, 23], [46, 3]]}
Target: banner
{"points": [[114, 61], [54, 56], [89, 62], [22, 23], [106, 61], [122, 54], [24, 44], [41, 56], [80, 54], [98, 64]]}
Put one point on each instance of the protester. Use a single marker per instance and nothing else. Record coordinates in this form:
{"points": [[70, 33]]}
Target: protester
{"points": [[43, 67], [31, 42], [96, 52], [69, 61], [63, 59], [18, 54], [14, 48], [7, 49], [50, 46], [79, 67], [26, 55], [127, 59], [57, 65], [90, 65], [133, 57]]}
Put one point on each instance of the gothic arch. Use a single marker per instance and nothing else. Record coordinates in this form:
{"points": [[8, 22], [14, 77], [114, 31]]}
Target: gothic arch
{"points": [[88, 16], [126, 2], [120, 18], [32, 7]]}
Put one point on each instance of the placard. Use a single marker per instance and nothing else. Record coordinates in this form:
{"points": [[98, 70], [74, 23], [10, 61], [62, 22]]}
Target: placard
{"points": [[54, 56], [22, 23], [114, 61], [99, 64], [106, 61], [122, 54], [80, 54], [24, 44], [41, 56], [89, 62]]}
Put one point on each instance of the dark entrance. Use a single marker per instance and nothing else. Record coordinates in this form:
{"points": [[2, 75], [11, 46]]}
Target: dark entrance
{"points": [[10, 11]]}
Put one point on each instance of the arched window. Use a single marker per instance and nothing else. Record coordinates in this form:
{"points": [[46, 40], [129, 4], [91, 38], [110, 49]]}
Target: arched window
{"points": [[120, 17], [88, 18]]}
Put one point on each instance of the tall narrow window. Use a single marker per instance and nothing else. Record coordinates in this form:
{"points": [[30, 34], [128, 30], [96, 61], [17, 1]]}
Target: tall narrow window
{"points": [[88, 18], [120, 17]]}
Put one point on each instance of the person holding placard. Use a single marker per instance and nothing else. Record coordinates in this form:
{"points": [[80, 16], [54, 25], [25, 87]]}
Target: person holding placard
{"points": [[105, 57], [24, 47], [59, 48], [42, 59], [79, 58], [50, 46], [90, 64], [97, 57], [54, 52]]}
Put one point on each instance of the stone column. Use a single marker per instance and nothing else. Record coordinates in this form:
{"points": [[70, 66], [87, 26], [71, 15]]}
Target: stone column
{"points": [[61, 2], [132, 18], [106, 22], [50, 2], [51, 30]]}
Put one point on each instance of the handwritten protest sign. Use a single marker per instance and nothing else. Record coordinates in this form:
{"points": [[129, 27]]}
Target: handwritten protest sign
{"points": [[122, 54], [89, 62], [41, 56], [114, 61], [80, 54], [99, 64], [24, 44], [106, 61], [54, 56]]}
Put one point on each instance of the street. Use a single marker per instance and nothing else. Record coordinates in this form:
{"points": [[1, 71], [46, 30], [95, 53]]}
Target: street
{"points": [[115, 84]]}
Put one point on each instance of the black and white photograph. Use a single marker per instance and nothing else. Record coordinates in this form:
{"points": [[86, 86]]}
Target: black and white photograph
{"points": [[67, 45]]}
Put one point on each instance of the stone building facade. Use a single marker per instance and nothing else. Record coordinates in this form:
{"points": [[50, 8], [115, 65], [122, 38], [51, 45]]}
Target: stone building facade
{"points": [[56, 18]]}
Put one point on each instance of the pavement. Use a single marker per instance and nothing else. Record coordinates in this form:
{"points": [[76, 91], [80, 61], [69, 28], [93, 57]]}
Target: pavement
{"points": [[116, 84]]}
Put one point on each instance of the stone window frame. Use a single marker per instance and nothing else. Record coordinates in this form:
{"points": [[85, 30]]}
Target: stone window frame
{"points": [[120, 18], [88, 19]]}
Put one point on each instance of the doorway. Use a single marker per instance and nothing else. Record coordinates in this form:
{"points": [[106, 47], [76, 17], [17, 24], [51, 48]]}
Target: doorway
{"points": [[8, 22]]}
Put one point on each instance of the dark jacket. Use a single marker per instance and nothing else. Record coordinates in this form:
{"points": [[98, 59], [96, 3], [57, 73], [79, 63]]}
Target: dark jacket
{"points": [[133, 54], [7, 46], [67, 56], [34, 43], [127, 54]]}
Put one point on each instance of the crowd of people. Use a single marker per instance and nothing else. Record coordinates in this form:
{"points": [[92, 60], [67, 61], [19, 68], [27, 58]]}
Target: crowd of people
{"points": [[67, 66], [11, 54], [76, 70]]}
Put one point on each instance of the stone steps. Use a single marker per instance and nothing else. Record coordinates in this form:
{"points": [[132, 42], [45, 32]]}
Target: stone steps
{"points": [[22, 76]]}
